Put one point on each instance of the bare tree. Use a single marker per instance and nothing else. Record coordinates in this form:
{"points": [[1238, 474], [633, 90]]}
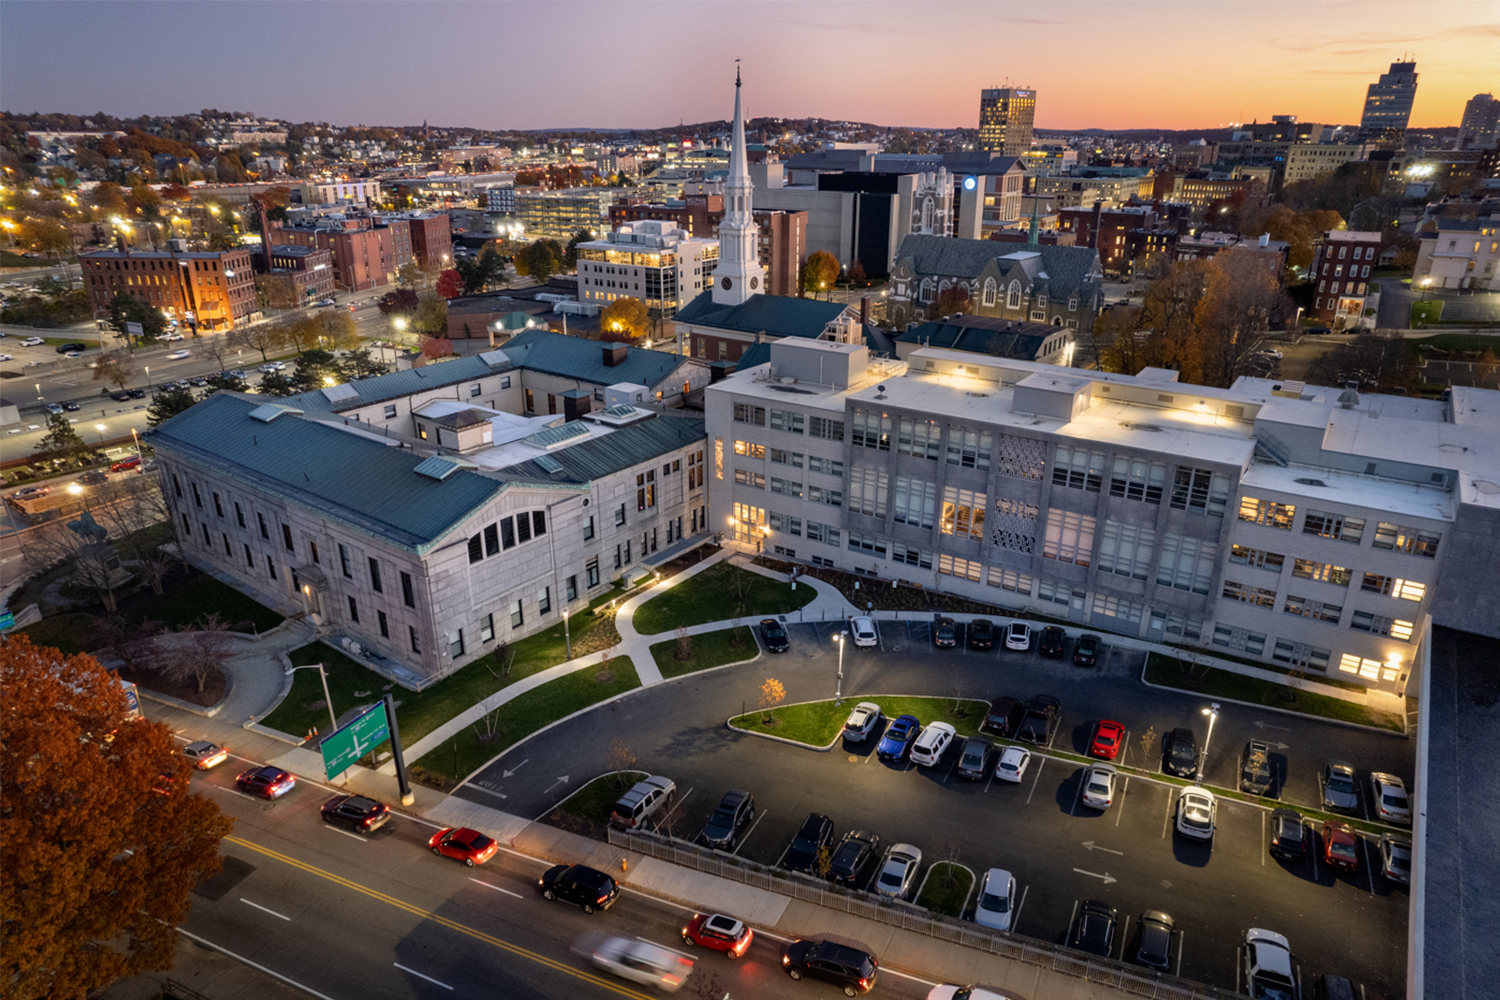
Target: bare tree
{"points": [[620, 760], [264, 338], [684, 645], [209, 647], [129, 507], [137, 647], [116, 369], [83, 542], [1148, 742]]}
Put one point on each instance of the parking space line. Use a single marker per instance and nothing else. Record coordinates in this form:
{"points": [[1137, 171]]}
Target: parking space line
{"points": [[1178, 970], [1015, 919], [1124, 936], [758, 817], [1263, 849], [1073, 920], [1120, 809], [1167, 819], [1038, 779], [1073, 809], [1311, 832], [1369, 864]]}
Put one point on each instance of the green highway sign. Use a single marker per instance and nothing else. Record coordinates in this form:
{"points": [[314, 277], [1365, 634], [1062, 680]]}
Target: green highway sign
{"points": [[347, 745], [7, 619]]}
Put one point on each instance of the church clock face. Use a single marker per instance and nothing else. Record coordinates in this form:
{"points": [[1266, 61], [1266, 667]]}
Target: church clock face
{"points": [[754, 284], [726, 283]]}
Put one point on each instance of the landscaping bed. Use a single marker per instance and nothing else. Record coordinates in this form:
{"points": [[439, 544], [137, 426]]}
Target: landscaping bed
{"points": [[818, 723], [709, 649], [181, 688], [587, 810], [719, 593], [1169, 672], [946, 889]]}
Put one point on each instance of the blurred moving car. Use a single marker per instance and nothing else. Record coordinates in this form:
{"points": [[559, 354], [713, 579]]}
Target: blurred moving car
{"points": [[636, 960]]}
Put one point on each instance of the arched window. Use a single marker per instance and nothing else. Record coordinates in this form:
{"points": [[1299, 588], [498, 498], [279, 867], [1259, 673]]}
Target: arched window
{"points": [[1057, 321], [1013, 297], [943, 286], [926, 290], [927, 215]]}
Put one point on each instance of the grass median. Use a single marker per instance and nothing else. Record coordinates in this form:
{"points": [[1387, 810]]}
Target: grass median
{"points": [[946, 890], [817, 723], [720, 593], [587, 810], [709, 649], [1166, 671]]}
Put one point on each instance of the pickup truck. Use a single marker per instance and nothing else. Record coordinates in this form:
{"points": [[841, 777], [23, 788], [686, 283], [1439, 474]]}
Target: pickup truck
{"points": [[1043, 714]]}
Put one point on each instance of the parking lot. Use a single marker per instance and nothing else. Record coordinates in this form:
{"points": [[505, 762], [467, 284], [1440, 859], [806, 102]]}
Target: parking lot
{"points": [[1060, 851]]}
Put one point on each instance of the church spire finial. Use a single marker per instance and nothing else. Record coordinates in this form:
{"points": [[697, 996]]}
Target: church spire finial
{"points": [[736, 74]]}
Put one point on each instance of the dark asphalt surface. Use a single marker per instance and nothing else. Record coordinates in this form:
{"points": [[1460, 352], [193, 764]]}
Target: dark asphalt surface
{"points": [[1354, 925]]}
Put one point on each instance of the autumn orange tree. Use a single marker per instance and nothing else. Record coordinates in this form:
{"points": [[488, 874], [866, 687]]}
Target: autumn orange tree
{"points": [[626, 316], [100, 839], [819, 271]]}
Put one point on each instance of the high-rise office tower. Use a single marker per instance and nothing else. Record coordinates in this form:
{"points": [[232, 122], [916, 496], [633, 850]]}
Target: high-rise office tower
{"points": [[1388, 107], [1005, 118], [1481, 125]]}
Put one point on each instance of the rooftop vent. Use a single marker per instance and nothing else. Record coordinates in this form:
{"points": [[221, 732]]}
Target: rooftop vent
{"points": [[270, 411], [1311, 482], [550, 464], [440, 468]]}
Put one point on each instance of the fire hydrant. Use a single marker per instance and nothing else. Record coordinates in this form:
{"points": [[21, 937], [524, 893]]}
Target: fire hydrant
{"points": [[624, 864]]}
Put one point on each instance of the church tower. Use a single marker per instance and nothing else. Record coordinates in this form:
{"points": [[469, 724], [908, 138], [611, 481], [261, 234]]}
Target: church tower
{"points": [[739, 274]]}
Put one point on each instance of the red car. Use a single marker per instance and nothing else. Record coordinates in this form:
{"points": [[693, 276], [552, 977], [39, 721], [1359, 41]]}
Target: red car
{"points": [[1339, 848], [718, 932], [469, 846], [267, 782], [125, 464], [1107, 739]]}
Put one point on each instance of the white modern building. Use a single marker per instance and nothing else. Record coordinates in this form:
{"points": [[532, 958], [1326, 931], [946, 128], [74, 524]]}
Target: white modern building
{"points": [[652, 261]]}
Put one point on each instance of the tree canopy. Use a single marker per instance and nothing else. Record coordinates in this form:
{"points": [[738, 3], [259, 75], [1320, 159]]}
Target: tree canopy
{"points": [[167, 403], [102, 838], [61, 440], [820, 271], [125, 309], [540, 260], [626, 316]]}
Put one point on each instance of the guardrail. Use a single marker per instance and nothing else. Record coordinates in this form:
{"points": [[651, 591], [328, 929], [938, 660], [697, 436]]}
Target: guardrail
{"points": [[910, 917]]}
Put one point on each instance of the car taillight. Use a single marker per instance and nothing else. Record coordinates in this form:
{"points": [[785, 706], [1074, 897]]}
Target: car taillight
{"points": [[785, 960], [602, 898], [864, 983]]}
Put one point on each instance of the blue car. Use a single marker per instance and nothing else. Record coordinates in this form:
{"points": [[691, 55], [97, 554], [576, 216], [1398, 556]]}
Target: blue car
{"points": [[898, 737]]}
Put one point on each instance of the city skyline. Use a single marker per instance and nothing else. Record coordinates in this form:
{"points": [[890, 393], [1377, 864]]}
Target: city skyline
{"points": [[330, 62]]}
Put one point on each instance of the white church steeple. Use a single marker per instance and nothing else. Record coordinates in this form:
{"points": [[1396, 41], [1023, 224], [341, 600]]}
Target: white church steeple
{"points": [[739, 274]]}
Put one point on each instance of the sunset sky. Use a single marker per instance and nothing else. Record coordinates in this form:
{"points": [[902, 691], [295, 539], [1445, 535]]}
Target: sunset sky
{"points": [[1186, 64]]}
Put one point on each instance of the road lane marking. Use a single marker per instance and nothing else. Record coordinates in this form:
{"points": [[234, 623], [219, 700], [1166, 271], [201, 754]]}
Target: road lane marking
{"points": [[496, 888], [1036, 782], [1120, 809], [265, 909], [254, 965], [488, 791], [346, 833], [1073, 809], [437, 918], [1178, 972], [414, 972], [758, 817]]}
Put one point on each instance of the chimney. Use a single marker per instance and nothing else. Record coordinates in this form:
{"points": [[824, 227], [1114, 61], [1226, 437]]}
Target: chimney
{"points": [[615, 354], [576, 405], [120, 242], [718, 373], [864, 310]]}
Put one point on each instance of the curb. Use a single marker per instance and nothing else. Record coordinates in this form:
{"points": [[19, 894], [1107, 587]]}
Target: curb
{"points": [[187, 706], [728, 724], [973, 886], [255, 727]]}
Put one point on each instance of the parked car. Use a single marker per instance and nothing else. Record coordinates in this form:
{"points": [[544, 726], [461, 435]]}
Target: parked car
{"points": [[898, 872], [1388, 794], [898, 737], [974, 762], [204, 755], [636, 960], [1086, 653], [1003, 718], [136, 393], [1270, 970], [1180, 753], [360, 814], [1107, 739], [1099, 786], [463, 844], [1197, 808], [1052, 642], [1339, 793], [1331, 987], [1155, 941], [1395, 857], [1288, 834], [580, 885], [995, 904], [1339, 848], [855, 856], [718, 932], [862, 722], [1012, 764], [1255, 767], [815, 834], [735, 811], [126, 464], [863, 630], [642, 802], [851, 968], [1018, 636], [1094, 928], [268, 782], [981, 634], [774, 633], [1043, 716], [120, 396], [932, 744], [944, 634]]}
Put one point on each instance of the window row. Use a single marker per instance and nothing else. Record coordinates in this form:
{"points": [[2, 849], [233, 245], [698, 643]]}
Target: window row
{"points": [[507, 533]]}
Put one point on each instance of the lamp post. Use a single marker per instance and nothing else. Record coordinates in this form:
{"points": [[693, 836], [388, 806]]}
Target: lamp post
{"points": [[1212, 711], [100, 429], [1426, 284], [838, 688], [333, 721], [148, 378], [567, 635]]}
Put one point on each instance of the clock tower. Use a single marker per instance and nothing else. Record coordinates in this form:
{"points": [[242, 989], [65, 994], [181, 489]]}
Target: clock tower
{"points": [[739, 274]]}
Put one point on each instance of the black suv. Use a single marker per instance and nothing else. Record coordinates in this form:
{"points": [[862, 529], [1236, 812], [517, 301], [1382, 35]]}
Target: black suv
{"points": [[1180, 753], [1042, 717], [734, 813], [1288, 834], [1003, 718], [1255, 768], [1052, 642], [981, 633], [1155, 938], [857, 853], [356, 812], [74, 346], [943, 632], [1086, 653], [1094, 929], [816, 834], [774, 633], [852, 968], [579, 885]]}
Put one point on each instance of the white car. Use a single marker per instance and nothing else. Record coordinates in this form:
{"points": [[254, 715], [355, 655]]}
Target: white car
{"points": [[1270, 970], [898, 873], [973, 991], [1018, 636], [1012, 764], [933, 743], [862, 722], [6, 357], [1099, 786], [997, 899], [272, 366], [863, 629], [178, 355], [1196, 811], [33, 342], [170, 336], [636, 960], [1388, 792]]}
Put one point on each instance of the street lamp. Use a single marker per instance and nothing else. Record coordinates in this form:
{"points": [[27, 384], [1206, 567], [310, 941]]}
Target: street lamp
{"points": [[328, 699], [1426, 283], [567, 635], [100, 429], [1212, 711], [838, 689]]}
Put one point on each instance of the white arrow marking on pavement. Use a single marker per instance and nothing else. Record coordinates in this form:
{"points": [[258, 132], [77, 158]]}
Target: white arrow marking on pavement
{"points": [[560, 781], [1108, 878], [1267, 725], [1095, 847], [513, 770], [1278, 746]]}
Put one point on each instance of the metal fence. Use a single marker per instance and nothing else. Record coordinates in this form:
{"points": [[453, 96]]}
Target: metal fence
{"points": [[908, 916]]}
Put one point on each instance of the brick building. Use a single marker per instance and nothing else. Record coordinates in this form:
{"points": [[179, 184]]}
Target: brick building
{"points": [[1341, 266], [209, 290], [431, 239], [309, 268], [364, 253]]}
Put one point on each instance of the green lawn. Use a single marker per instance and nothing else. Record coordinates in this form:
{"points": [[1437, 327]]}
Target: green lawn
{"points": [[818, 723], [593, 802], [200, 595], [1454, 342], [717, 594], [946, 893], [1424, 313], [711, 649], [68, 633], [1165, 670]]}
